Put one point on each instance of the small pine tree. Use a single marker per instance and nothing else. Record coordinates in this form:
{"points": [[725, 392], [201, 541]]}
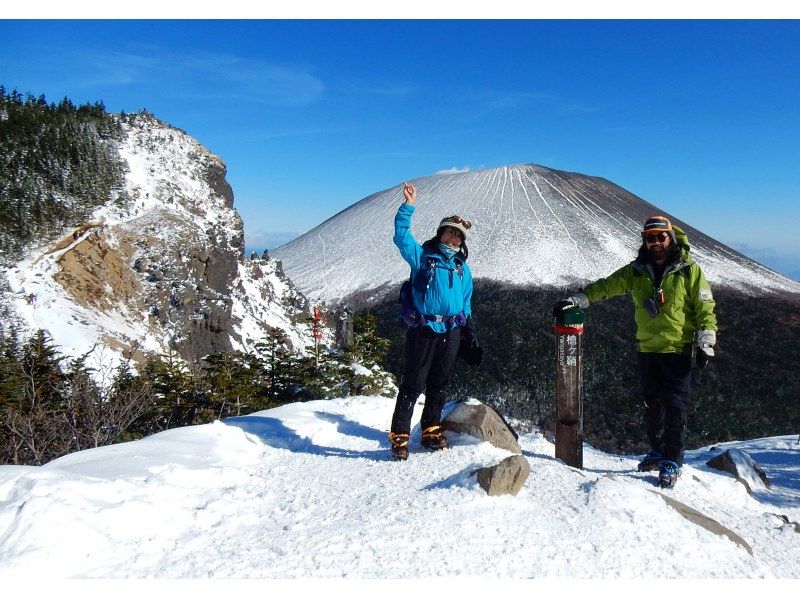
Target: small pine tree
{"points": [[231, 383]]}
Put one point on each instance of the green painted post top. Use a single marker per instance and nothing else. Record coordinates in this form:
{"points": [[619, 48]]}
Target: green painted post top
{"points": [[574, 316]]}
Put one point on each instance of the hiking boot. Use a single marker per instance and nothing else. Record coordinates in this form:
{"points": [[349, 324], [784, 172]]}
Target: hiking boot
{"points": [[433, 438], [651, 461], [668, 473], [399, 446]]}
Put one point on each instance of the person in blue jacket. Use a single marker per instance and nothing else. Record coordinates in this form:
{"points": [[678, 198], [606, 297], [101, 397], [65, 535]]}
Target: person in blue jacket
{"points": [[442, 291]]}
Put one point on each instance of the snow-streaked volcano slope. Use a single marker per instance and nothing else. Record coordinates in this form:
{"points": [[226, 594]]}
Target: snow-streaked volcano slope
{"points": [[532, 225], [309, 490]]}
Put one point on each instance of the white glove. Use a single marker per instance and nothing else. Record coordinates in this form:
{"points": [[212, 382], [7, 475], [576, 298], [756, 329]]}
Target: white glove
{"points": [[578, 300], [705, 341]]}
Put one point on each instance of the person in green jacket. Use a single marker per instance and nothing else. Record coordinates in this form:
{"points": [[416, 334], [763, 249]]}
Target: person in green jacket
{"points": [[675, 324]]}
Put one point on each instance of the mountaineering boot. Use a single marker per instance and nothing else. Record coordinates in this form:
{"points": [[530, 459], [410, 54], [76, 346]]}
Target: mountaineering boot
{"points": [[433, 438], [651, 461], [399, 446], [668, 473]]}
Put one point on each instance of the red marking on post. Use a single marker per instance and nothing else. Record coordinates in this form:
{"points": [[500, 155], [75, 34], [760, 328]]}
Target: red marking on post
{"points": [[574, 329]]}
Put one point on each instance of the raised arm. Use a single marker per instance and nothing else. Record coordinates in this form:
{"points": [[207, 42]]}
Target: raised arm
{"points": [[406, 243]]}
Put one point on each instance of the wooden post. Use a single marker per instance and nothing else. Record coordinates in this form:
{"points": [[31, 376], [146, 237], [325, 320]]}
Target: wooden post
{"points": [[569, 383], [316, 327]]}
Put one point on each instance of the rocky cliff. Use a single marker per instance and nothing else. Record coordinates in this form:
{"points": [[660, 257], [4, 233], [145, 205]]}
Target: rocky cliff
{"points": [[160, 269]]}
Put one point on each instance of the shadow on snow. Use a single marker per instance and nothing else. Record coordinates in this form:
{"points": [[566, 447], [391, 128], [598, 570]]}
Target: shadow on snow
{"points": [[274, 433]]}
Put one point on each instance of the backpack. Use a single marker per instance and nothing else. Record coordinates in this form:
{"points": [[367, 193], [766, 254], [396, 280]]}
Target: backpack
{"points": [[408, 313]]}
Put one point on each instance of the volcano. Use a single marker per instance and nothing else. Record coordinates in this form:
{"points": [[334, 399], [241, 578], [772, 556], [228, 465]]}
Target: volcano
{"points": [[532, 226]]}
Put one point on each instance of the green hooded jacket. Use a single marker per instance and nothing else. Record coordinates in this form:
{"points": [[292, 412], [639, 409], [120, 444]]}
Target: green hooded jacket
{"points": [[688, 303]]}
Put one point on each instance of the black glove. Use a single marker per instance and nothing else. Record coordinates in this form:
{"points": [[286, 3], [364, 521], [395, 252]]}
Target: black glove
{"points": [[468, 349], [701, 358], [704, 347], [560, 306], [576, 300]]}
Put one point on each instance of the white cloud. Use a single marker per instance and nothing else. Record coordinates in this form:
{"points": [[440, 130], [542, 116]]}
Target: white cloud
{"points": [[453, 170]]}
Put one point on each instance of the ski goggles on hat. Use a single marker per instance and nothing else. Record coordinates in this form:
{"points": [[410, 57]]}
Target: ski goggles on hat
{"points": [[655, 237], [459, 220]]}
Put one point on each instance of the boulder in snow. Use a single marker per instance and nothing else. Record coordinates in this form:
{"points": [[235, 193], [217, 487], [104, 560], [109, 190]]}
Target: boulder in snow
{"points": [[507, 477], [743, 468], [483, 422]]}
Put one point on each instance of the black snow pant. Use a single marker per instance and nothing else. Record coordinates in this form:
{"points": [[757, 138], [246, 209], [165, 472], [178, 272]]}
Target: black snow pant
{"points": [[666, 389], [429, 358]]}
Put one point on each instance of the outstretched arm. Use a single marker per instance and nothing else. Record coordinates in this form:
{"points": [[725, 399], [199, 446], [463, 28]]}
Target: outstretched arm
{"points": [[616, 283]]}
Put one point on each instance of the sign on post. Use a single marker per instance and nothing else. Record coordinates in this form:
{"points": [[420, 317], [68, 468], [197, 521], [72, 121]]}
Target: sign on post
{"points": [[569, 383]]}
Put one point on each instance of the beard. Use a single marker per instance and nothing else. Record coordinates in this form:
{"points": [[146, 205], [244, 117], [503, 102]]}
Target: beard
{"points": [[657, 252]]}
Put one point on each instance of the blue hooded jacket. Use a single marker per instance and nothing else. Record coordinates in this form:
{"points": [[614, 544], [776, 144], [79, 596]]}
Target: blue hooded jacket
{"points": [[449, 293]]}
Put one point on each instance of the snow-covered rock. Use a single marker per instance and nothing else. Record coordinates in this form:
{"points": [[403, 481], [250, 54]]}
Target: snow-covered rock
{"points": [[163, 271]]}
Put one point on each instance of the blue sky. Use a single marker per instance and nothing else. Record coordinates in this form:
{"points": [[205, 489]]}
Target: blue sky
{"points": [[701, 118]]}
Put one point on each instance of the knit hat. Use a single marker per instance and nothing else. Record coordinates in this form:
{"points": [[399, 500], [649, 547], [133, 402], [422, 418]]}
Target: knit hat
{"points": [[456, 222]]}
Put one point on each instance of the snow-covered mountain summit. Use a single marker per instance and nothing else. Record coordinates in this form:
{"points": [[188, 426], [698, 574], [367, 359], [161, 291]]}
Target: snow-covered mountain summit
{"points": [[158, 268], [309, 490], [531, 225]]}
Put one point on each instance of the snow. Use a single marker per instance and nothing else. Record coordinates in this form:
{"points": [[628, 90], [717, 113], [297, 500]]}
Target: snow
{"points": [[531, 225], [170, 194], [307, 491], [257, 306]]}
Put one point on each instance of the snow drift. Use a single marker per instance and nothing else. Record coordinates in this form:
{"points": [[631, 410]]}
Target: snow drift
{"points": [[308, 490]]}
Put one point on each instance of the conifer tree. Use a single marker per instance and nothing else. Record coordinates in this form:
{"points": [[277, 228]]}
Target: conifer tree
{"points": [[279, 371], [32, 419], [231, 383]]}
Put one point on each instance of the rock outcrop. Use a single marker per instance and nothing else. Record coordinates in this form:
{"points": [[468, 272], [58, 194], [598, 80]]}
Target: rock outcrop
{"points": [[481, 421], [161, 268], [742, 467]]}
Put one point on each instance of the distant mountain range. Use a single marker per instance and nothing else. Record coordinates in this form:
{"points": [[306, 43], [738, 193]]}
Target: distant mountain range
{"points": [[531, 226]]}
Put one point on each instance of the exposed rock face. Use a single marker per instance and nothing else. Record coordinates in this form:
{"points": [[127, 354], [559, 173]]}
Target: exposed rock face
{"points": [[96, 274], [483, 422], [743, 468], [163, 267], [507, 477]]}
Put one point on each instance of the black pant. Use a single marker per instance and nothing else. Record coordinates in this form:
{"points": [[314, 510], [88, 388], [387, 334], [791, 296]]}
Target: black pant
{"points": [[429, 359], [666, 389]]}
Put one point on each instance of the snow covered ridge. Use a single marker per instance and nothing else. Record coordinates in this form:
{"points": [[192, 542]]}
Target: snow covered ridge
{"points": [[308, 490], [532, 226], [164, 270]]}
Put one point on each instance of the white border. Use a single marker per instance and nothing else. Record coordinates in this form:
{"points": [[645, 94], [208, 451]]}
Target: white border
{"points": [[402, 9]]}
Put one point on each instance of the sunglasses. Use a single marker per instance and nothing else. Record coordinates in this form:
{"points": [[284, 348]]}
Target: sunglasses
{"points": [[459, 220], [652, 238]]}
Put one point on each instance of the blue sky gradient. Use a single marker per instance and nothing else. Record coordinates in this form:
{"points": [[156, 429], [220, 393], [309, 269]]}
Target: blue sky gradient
{"points": [[701, 118]]}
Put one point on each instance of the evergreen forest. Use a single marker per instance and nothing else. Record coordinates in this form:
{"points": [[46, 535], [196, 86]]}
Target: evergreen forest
{"points": [[51, 405], [57, 164]]}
